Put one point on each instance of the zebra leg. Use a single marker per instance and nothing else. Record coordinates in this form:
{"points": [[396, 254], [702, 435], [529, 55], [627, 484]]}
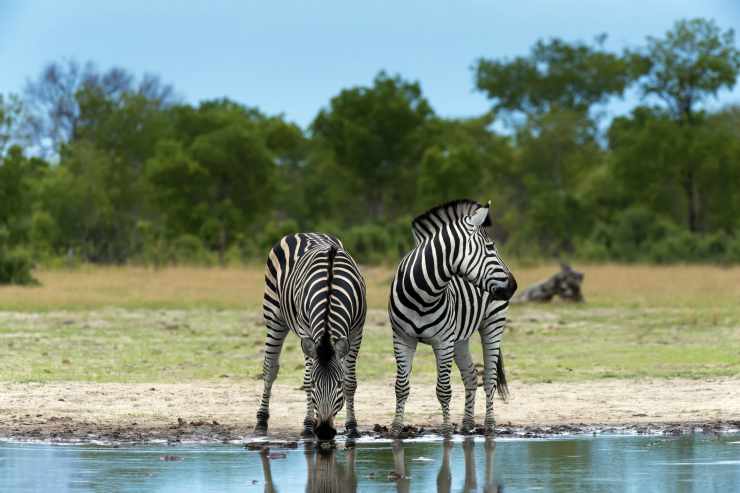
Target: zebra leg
{"points": [[309, 421], [488, 486], [311, 466], [444, 355], [267, 474], [444, 476], [403, 482], [273, 346], [351, 476], [404, 350], [350, 385], [471, 483], [464, 363], [490, 335]]}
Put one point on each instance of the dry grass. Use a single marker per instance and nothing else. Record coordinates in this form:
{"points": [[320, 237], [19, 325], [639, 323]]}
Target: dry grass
{"points": [[648, 285], [241, 287], [184, 287], [133, 324]]}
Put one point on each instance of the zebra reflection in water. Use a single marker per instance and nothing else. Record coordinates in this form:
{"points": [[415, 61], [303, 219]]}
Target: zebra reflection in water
{"points": [[324, 473], [327, 475], [444, 476]]}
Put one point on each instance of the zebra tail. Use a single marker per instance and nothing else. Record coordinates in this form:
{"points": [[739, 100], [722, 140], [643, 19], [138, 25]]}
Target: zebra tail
{"points": [[325, 350], [503, 388]]}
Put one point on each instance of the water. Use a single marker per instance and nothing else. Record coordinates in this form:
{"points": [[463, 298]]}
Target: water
{"points": [[699, 463]]}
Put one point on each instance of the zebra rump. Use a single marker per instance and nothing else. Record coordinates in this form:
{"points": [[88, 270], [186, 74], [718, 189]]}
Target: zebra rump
{"points": [[314, 289]]}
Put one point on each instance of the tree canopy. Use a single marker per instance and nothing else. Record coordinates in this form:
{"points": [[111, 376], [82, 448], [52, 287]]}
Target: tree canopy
{"points": [[99, 165]]}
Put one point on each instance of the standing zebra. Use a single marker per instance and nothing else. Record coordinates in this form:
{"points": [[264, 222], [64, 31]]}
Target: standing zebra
{"points": [[452, 283], [314, 288]]}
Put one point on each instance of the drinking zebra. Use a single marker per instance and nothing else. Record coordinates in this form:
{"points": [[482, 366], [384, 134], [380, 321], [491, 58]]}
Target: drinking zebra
{"points": [[314, 288], [451, 284]]}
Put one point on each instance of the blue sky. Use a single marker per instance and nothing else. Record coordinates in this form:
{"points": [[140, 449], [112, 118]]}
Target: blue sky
{"points": [[291, 57]]}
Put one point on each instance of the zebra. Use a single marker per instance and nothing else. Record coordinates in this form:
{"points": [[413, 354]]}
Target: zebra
{"points": [[324, 474], [450, 284], [314, 288], [444, 475]]}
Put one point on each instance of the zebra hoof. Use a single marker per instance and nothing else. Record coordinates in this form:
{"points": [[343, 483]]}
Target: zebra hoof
{"points": [[490, 428], [396, 430], [467, 428], [446, 430], [351, 431]]}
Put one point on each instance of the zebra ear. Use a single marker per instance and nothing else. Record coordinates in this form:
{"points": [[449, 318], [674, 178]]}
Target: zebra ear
{"points": [[341, 348], [309, 347], [479, 217]]}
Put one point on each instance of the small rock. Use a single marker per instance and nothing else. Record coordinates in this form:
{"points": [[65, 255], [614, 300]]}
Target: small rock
{"points": [[170, 458], [327, 445]]}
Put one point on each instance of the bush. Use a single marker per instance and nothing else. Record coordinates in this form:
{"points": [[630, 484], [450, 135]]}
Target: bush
{"points": [[592, 251], [733, 249], [368, 244], [16, 267], [189, 250], [273, 232]]}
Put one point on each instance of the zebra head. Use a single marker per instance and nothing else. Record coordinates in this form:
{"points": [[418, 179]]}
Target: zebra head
{"points": [[327, 381], [479, 260]]}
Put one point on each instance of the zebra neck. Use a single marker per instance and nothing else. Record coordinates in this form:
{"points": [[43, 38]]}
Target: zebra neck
{"points": [[428, 272]]}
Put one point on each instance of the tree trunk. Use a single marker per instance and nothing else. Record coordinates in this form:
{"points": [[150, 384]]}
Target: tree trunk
{"points": [[691, 199], [690, 179], [222, 246]]}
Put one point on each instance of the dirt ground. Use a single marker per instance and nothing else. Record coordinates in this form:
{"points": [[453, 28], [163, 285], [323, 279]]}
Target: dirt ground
{"points": [[221, 412]]}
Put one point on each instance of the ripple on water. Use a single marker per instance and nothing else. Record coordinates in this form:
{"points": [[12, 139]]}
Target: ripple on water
{"points": [[578, 463]]}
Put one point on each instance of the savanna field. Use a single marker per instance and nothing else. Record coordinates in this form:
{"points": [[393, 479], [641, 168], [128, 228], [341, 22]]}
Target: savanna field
{"points": [[179, 324]]}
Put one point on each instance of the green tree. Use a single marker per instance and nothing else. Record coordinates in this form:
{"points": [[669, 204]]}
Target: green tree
{"points": [[17, 176], [558, 156], [693, 62], [11, 111], [652, 155], [218, 178], [376, 134], [557, 74], [77, 196], [54, 100], [464, 159]]}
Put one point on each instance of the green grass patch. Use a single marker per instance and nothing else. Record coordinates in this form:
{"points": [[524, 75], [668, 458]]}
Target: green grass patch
{"points": [[542, 343]]}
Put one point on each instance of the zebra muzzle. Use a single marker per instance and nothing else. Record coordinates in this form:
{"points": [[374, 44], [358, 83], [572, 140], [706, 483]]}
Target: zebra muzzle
{"points": [[325, 431], [504, 291]]}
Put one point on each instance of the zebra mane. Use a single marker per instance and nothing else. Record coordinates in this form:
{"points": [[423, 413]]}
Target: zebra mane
{"points": [[425, 225], [325, 350]]}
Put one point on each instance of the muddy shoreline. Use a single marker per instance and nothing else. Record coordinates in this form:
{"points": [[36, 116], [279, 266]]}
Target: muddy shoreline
{"points": [[69, 432], [225, 412]]}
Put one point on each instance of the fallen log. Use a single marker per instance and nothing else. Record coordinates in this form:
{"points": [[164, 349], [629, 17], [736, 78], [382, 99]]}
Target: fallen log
{"points": [[566, 284]]}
